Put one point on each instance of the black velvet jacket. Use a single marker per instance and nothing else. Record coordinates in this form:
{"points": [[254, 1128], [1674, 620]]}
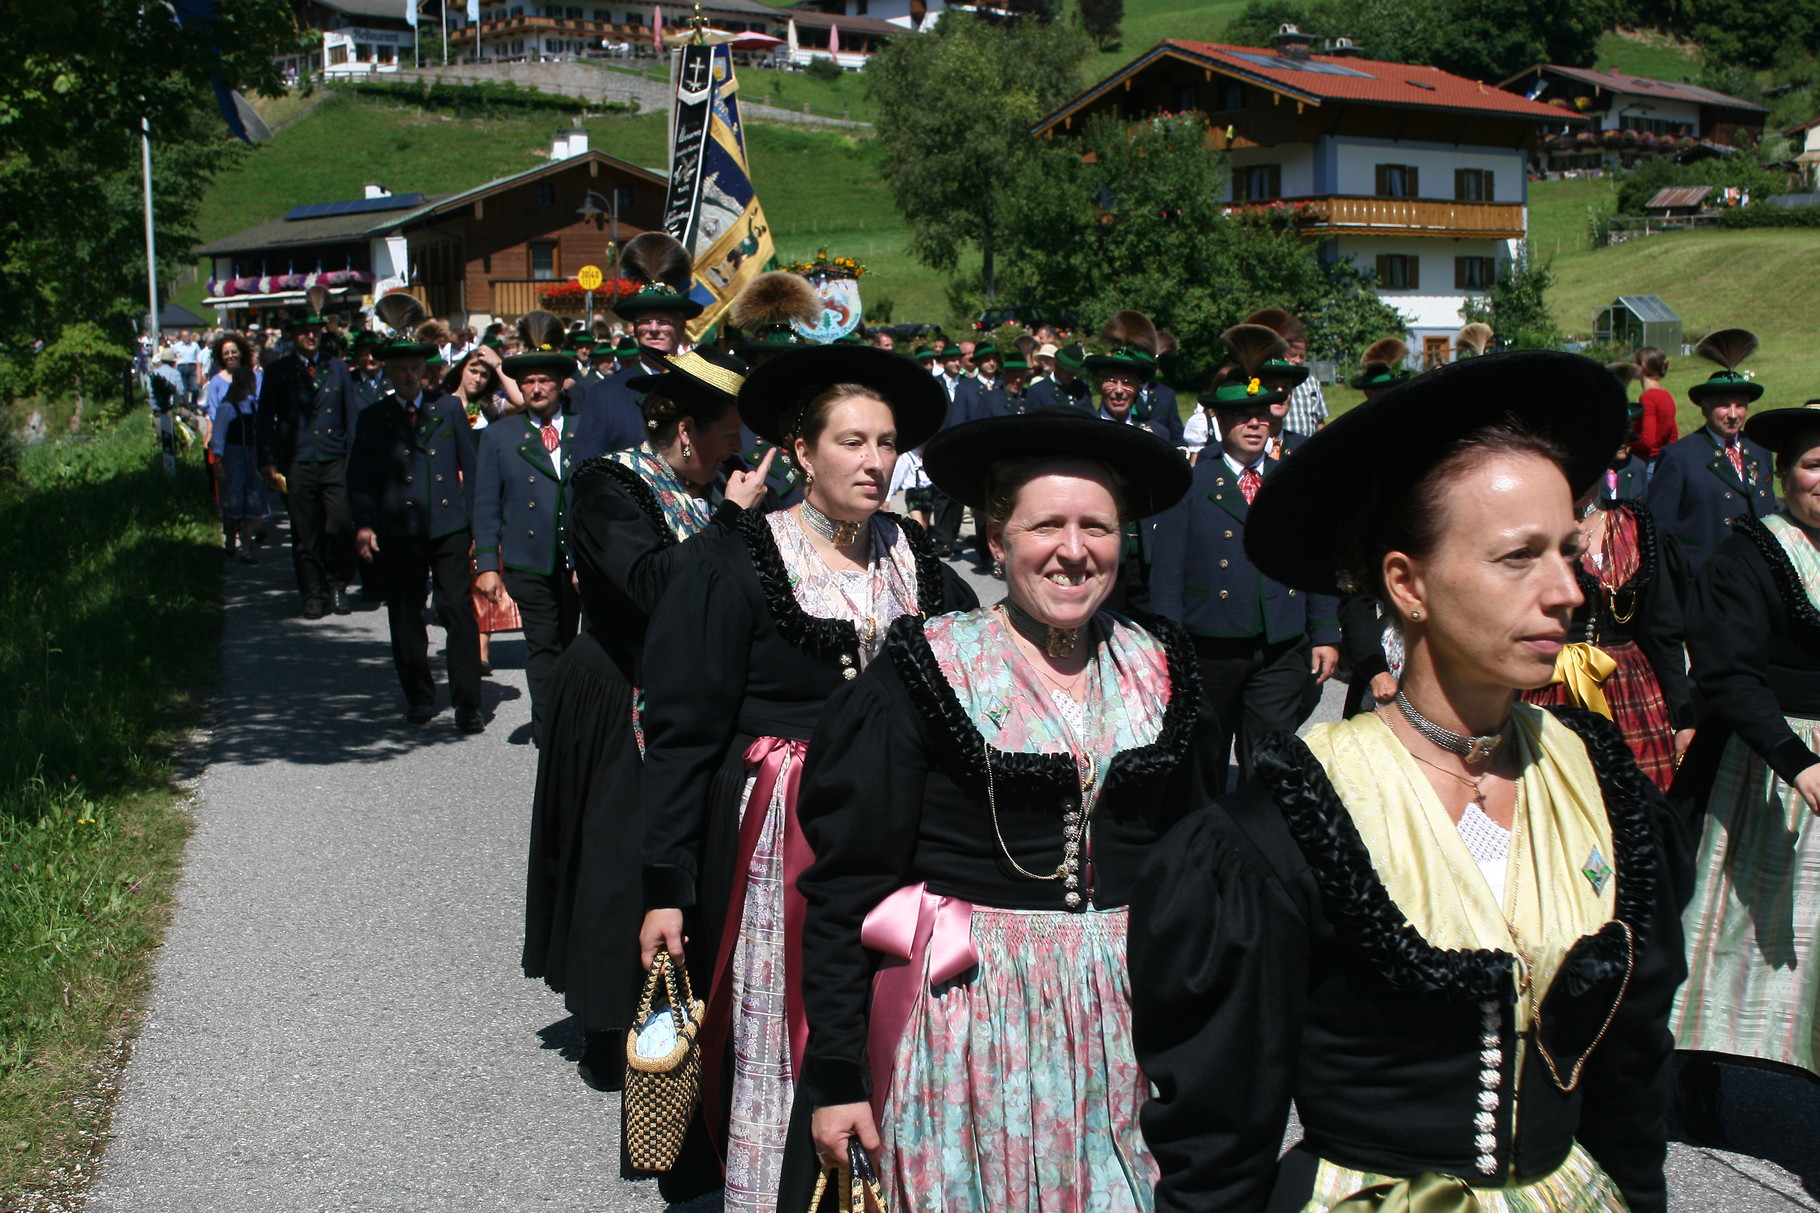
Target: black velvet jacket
{"points": [[895, 793], [625, 553], [1268, 963], [732, 655], [1651, 618], [1755, 650]]}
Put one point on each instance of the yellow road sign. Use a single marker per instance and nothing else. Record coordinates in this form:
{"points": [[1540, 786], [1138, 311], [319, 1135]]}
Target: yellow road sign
{"points": [[590, 277]]}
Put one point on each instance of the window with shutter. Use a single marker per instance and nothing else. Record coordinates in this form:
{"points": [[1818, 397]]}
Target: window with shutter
{"points": [[1397, 272], [1411, 185], [1412, 269]]}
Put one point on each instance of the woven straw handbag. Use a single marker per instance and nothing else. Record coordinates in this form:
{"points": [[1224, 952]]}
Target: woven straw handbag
{"points": [[849, 1189], [663, 1079]]}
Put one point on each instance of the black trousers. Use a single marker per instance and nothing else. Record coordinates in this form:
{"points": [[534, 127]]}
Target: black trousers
{"points": [[322, 526], [406, 563], [1248, 688], [945, 524], [550, 610]]}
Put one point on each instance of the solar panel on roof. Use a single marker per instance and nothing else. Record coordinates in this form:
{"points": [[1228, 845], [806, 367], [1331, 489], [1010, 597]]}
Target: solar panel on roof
{"points": [[357, 206], [1278, 63]]}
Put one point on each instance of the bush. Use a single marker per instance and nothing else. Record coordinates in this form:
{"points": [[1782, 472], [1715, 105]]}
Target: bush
{"points": [[1763, 214], [823, 68], [1640, 184], [480, 99], [1517, 306]]}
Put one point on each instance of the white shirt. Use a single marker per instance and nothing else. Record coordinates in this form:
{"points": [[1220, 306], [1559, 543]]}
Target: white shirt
{"points": [[1238, 468], [555, 420]]}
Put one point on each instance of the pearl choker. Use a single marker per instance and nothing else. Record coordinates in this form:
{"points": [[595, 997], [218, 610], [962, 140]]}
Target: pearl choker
{"points": [[839, 533], [1057, 642]]}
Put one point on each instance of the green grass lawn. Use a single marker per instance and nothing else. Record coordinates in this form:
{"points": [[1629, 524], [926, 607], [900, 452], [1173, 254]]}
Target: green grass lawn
{"points": [[109, 622], [1558, 210], [1647, 53], [1765, 281], [1148, 22]]}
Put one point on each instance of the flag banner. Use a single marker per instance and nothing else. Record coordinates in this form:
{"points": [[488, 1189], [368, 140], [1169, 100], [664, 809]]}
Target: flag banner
{"points": [[410, 13], [712, 208], [473, 12]]}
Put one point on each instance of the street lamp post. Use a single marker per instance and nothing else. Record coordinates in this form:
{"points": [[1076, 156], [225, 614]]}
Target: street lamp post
{"points": [[588, 210]]}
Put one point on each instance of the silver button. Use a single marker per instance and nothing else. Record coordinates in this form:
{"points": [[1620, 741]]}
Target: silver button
{"points": [[1221, 482], [445, 501], [1229, 534], [1489, 1040], [1224, 563], [1292, 593], [1485, 1142], [1490, 1079], [1488, 1007], [849, 673], [846, 659], [1491, 1057], [1224, 594], [1485, 1122], [1487, 1165], [532, 505], [530, 480], [1488, 1100]]}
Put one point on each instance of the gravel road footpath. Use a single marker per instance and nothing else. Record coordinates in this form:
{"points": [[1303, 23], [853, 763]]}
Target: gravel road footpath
{"points": [[339, 1022]]}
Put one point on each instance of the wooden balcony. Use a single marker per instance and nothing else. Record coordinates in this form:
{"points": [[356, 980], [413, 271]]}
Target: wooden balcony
{"points": [[514, 297], [1339, 216]]}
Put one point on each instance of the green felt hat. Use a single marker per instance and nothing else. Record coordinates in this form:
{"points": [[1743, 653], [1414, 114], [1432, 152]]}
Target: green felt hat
{"points": [[1285, 374], [1379, 376], [1014, 363], [657, 297], [1242, 392], [769, 339], [580, 340], [1726, 383], [924, 354], [303, 320], [389, 350], [986, 350], [1072, 356], [367, 339], [627, 348], [1122, 358]]}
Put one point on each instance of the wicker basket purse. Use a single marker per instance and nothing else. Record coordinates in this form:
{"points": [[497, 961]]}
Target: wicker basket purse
{"points": [[662, 1089], [853, 1188]]}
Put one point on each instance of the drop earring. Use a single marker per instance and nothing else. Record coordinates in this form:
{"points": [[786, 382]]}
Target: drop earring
{"points": [[687, 451], [998, 568]]}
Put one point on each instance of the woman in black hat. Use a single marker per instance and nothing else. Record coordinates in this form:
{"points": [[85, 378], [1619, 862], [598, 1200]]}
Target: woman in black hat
{"points": [[635, 517], [750, 642], [978, 806], [1752, 990], [1446, 930]]}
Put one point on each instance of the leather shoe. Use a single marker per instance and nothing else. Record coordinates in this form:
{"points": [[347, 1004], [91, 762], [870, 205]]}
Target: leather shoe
{"points": [[469, 720], [603, 1061], [315, 608], [338, 600], [420, 713]]}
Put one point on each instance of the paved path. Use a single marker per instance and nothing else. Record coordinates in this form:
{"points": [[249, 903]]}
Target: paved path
{"points": [[339, 1022]]}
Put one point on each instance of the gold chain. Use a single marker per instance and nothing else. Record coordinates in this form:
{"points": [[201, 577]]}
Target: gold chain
{"points": [[1084, 769]]}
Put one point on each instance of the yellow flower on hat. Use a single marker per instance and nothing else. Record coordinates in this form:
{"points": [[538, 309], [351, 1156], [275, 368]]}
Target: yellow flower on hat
{"points": [[1256, 385]]}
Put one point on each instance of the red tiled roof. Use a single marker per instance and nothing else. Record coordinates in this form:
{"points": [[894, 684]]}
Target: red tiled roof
{"points": [[1328, 78], [1640, 86]]}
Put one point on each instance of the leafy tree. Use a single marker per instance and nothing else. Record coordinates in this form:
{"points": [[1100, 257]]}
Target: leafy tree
{"points": [[1101, 19], [71, 219], [1516, 307], [1142, 225], [955, 110]]}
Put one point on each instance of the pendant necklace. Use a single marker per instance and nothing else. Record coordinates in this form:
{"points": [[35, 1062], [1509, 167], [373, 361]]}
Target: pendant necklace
{"points": [[1057, 642]]}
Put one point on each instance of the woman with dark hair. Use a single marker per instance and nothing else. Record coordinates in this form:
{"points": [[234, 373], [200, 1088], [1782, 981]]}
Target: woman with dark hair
{"points": [[485, 394], [234, 455], [752, 640], [1752, 993], [1446, 930], [635, 518], [1657, 427], [998, 777]]}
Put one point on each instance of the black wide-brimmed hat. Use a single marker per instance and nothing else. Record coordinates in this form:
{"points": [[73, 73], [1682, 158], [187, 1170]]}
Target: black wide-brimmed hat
{"points": [[389, 350], [705, 375], [1303, 528], [1779, 429], [771, 401], [1152, 474]]}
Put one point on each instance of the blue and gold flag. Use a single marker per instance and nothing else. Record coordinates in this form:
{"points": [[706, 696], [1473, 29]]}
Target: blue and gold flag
{"points": [[712, 207]]}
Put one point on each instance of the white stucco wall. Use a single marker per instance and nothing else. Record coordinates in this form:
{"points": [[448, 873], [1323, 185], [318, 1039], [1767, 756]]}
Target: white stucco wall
{"points": [[1349, 166]]}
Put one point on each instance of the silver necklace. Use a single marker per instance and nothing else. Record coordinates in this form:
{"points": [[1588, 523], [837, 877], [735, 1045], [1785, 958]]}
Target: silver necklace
{"points": [[1472, 749], [665, 464], [839, 533]]}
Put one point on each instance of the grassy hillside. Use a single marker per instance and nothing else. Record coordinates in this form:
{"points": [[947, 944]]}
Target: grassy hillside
{"points": [[1714, 280], [1647, 53]]}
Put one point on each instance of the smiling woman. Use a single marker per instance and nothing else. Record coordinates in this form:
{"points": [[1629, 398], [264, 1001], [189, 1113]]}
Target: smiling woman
{"points": [[1477, 888], [978, 804]]}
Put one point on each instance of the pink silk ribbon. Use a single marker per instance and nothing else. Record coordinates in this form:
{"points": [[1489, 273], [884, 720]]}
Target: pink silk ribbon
{"points": [[766, 758], [927, 939]]}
